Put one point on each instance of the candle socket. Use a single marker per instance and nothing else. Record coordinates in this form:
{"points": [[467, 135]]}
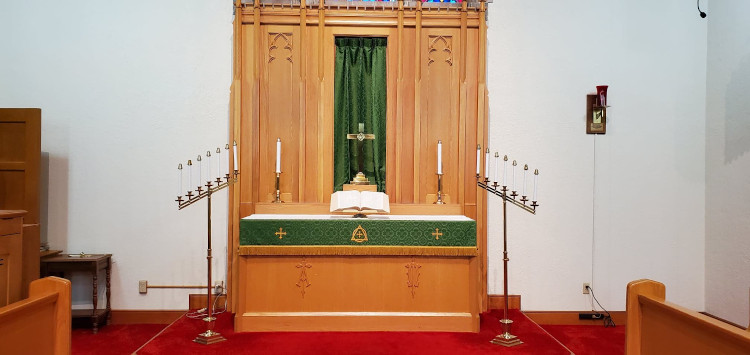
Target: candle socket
{"points": [[534, 204], [524, 199], [440, 190], [278, 193], [495, 185], [218, 180], [513, 194], [199, 189], [189, 195], [504, 190], [179, 200], [208, 185]]}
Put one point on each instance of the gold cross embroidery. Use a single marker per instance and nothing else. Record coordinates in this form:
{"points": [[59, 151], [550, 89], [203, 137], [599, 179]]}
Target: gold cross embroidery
{"points": [[437, 233], [280, 233]]}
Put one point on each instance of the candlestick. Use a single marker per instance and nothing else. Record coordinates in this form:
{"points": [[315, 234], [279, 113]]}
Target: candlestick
{"points": [[235, 163], [479, 157], [179, 181], [536, 177], [199, 170], [525, 169], [487, 165], [278, 155], [497, 165], [190, 175], [208, 167], [440, 157], [218, 162]]}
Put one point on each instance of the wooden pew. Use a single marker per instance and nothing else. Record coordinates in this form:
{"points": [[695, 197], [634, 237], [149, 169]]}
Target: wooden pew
{"points": [[39, 324], [658, 327]]}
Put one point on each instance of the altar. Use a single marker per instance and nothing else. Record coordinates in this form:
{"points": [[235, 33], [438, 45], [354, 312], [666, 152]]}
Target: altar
{"points": [[321, 92], [337, 273]]}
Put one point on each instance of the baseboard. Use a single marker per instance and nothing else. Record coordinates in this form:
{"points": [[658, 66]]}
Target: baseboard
{"points": [[198, 301], [497, 302], [145, 316], [571, 318]]}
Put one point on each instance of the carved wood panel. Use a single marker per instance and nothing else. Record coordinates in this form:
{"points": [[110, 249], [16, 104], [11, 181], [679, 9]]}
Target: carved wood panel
{"points": [[279, 111], [439, 112]]}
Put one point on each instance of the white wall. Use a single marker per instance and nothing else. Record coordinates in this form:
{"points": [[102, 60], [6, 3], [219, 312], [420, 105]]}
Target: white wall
{"points": [[728, 161], [128, 89], [614, 208], [125, 98]]}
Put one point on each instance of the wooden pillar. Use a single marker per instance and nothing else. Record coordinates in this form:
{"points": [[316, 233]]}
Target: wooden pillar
{"points": [[417, 99], [235, 100], [482, 136]]}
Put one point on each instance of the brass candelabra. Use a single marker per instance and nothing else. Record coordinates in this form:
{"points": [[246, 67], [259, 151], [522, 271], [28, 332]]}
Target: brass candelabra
{"points": [[440, 190], [209, 336], [506, 338]]}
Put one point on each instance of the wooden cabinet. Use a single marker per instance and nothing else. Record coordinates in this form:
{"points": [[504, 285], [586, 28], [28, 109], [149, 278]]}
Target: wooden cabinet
{"points": [[11, 230], [20, 153]]}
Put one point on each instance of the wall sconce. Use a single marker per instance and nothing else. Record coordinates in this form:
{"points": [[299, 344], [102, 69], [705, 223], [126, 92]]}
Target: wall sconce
{"points": [[596, 111]]}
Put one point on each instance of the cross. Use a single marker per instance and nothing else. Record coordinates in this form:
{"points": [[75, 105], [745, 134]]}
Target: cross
{"points": [[280, 233], [437, 233], [360, 137]]}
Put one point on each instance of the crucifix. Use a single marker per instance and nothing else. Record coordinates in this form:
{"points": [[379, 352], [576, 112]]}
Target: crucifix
{"points": [[360, 179]]}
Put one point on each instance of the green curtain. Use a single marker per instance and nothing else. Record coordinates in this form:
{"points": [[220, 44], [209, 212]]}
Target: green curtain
{"points": [[359, 97]]}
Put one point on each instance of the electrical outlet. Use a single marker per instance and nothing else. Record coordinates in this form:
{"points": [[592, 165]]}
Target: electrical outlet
{"points": [[586, 286], [142, 286]]}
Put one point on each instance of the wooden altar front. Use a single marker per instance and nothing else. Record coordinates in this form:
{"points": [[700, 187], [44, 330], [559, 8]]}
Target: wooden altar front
{"points": [[283, 88]]}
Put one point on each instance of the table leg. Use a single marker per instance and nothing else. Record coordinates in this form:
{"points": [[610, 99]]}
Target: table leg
{"points": [[96, 292], [109, 273]]}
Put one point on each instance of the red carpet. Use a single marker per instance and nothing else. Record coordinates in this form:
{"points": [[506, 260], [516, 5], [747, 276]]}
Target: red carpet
{"points": [[590, 339], [178, 338], [113, 339]]}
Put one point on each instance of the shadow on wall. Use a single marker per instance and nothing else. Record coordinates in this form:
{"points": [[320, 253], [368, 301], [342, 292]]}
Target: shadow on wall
{"points": [[737, 120]]}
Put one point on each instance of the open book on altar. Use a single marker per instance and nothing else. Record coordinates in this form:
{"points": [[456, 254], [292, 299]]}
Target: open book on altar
{"points": [[359, 201]]}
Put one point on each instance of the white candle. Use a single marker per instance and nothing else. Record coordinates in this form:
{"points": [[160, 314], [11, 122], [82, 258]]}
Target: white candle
{"points": [[440, 157], [505, 170], [487, 164], [208, 167], [525, 168], [497, 164], [479, 158], [278, 155], [200, 168], [514, 176], [190, 175], [235, 163], [218, 163], [179, 180], [536, 177], [229, 170]]}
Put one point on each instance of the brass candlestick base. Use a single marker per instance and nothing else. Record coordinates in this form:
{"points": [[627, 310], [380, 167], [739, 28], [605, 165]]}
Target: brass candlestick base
{"points": [[278, 193], [209, 337], [506, 339], [360, 179], [440, 190]]}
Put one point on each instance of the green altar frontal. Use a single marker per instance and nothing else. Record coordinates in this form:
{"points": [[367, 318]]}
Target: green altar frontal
{"points": [[343, 235]]}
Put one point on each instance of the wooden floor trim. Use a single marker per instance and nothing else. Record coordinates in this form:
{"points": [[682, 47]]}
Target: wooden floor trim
{"points": [[145, 316], [571, 318]]}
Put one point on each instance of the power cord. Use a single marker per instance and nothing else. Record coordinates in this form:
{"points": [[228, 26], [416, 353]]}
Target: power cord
{"points": [[608, 322]]}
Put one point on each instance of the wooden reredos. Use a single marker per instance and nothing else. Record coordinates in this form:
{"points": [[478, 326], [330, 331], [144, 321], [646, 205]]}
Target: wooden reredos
{"points": [[283, 87]]}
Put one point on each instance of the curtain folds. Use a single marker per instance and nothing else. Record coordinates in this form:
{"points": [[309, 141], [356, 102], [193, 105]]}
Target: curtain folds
{"points": [[359, 97]]}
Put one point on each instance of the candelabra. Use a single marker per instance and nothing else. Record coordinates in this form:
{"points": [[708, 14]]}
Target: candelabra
{"points": [[506, 338], [209, 336]]}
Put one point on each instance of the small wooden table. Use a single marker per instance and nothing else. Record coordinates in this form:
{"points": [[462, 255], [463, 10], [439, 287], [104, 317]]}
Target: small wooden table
{"points": [[59, 264]]}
